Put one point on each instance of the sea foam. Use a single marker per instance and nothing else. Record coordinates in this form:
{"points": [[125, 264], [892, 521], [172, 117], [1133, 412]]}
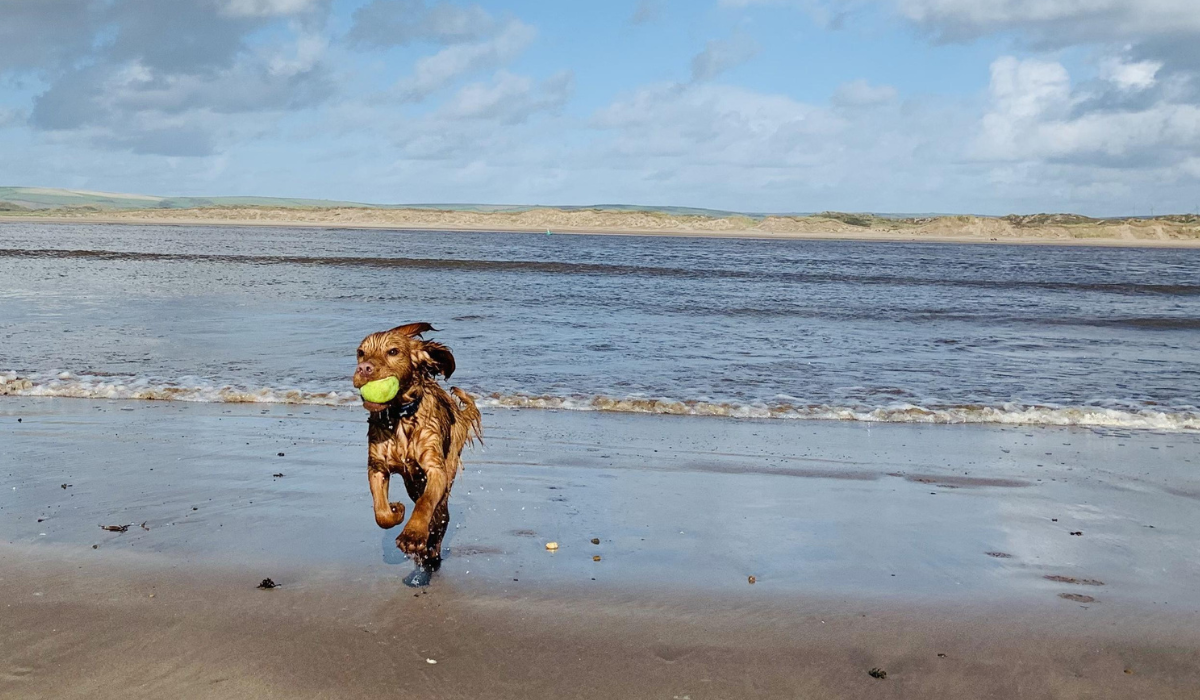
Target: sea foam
{"points": [[69, 385]]}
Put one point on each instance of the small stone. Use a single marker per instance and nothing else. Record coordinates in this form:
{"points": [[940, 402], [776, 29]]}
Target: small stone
{"points": [[1077, 534], [595, 540], [877, 673], [752, 580], [551, 546], [596, 558], [431, 661], [267, 584], [280, 454]]}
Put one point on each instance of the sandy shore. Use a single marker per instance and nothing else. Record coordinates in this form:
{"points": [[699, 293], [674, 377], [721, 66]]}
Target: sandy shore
{"points": [[1181, 231], [873, 546]]}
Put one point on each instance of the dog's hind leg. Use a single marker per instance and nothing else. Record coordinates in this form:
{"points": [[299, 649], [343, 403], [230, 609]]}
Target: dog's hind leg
{"points": [[437, 530]]}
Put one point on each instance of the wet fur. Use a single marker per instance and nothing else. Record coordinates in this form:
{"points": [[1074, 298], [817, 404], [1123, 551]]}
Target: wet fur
{"points": [[425, 449]]}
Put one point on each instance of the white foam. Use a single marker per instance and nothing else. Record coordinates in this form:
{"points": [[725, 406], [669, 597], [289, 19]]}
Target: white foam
{"points": [[69, 385]]}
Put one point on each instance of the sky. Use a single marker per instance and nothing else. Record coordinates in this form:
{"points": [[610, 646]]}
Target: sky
{"points": [[949, 106]]}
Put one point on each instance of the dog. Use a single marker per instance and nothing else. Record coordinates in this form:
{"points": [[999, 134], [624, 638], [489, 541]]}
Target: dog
{"points": [[419, 434]]}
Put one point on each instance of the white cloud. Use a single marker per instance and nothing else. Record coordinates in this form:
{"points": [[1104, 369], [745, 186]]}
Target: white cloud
{"points": [[724, 123], [509, 98], [309, 50], [268, 8], [860, 93], [1054, 21], [1036, 116], [1132, 75], [10, 117], [385, 23], [719, 55], [434, 72]]}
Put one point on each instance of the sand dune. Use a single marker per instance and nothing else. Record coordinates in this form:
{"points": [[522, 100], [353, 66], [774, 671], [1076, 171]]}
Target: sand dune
{"points": [[1182, 230]]}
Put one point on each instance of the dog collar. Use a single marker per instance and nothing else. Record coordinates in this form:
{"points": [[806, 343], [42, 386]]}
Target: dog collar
{"points": [[391, 416]]}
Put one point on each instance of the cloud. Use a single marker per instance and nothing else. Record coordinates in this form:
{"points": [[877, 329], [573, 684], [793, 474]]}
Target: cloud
{"points": [[720, 55], [509, 99], [130, 76], [10, 117], [434, 72], [384, 23], [42, 36], [1058, 22], [860, 93], [647, 11], [1037, 116], [1127, 75], [268, 8], [727, 124]]}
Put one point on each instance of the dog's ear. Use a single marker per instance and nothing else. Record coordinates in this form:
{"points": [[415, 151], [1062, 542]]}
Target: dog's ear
{"points": [[413, 329], [435, 358]]}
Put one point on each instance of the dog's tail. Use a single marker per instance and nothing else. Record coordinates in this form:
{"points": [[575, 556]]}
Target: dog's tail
{"points": [[469, 426]]}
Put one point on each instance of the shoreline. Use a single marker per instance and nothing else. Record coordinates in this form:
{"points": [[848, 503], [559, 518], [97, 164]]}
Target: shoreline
{"points": [[746, 234], [942, 555]]}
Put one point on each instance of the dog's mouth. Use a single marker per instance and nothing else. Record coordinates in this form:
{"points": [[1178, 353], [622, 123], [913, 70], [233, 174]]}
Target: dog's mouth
{"points": [[374, 407]]}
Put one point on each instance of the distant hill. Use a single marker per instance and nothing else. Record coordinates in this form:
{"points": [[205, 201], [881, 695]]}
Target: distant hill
{"points": [[41, 198]]}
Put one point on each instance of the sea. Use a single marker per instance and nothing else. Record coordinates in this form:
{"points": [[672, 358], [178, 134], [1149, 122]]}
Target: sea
{"points": [[736, 329]]}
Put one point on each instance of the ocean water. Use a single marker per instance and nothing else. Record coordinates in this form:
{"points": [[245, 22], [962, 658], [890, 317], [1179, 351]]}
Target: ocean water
{"points": [[916, 332]]}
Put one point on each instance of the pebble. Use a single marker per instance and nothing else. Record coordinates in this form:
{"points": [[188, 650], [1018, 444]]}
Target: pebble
{"points": [[551, 546]]}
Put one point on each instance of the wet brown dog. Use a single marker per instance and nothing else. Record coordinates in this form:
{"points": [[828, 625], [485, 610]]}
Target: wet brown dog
{"points": [[419, 434]]}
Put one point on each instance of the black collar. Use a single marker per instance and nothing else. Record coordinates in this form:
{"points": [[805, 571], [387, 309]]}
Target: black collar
{"points": [[391, 416]]}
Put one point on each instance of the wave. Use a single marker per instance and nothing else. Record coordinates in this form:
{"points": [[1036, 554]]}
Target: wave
{"points": [[67, 385], [804, 276]]}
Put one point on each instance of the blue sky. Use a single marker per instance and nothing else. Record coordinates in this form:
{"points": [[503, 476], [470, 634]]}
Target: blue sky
{"points": [[979, 106]]}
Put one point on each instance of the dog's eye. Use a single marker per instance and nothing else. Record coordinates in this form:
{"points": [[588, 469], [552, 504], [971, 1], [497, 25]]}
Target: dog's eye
{"points": [[360, 353], [394, 351]]}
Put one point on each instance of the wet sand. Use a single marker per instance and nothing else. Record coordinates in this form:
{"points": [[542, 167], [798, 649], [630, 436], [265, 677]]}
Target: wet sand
{"points": [[872, 546]]}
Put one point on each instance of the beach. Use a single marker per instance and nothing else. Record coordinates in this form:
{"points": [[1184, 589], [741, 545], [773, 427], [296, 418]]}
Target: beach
{"points": [[872, 547], [813, 468], [1051, 229]]}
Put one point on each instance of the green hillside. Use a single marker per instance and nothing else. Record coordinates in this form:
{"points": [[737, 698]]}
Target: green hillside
{"points": [[42, 198]]}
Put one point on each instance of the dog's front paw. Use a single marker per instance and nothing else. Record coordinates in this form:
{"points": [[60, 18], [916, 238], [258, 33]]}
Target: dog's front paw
{"points": [[390, 518], [413, 542]]}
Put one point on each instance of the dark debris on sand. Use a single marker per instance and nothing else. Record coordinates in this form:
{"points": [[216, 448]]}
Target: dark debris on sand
{"points": [[267, 584], [877, 673], [1072, 579], [114, 528]]}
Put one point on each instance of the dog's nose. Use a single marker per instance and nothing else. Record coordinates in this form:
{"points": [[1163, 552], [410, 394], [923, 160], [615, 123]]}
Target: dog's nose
{"points": [[365, 369]]}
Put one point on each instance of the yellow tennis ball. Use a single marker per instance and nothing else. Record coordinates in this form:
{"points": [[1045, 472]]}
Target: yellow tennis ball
{"points": [[380, 390]]}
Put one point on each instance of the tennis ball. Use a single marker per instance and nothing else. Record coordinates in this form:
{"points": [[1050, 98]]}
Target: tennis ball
{"points": [[380, 390]]}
